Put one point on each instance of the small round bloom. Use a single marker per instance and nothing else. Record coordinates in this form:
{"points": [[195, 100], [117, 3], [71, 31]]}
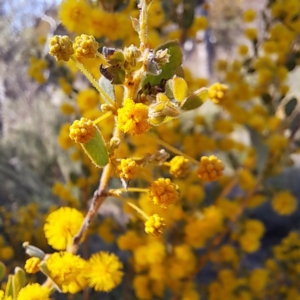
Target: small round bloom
{"points": [[32, 265], [82, 131], [34, 291], [61, 226], [249, 242], [133, 117], [251, 33], [179, 166], [155, 225], [85, 46], [210, 168], [284, 203], [217, 92], [104, 271], [61, 47], [127, 168], [67, 271], [163, 192], [249, 15]]}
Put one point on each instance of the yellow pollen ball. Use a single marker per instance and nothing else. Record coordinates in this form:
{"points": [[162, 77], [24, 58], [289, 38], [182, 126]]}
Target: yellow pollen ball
{"points": [[217, 92], [210, 168], [155, 225], [127, 169], [85, 46], [163, 192], [82, 131], [61, 47], [179, 166], [32, 265]]}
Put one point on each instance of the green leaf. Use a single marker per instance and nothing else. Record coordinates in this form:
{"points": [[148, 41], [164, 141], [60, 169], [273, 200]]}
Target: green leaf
{"points": [[188, 13], [115, 74], [290, 106], [261, 149], [19, 279], [168, 69], [107, 86], [195, 99], [9, 287], [96, 150], [2, 270]]}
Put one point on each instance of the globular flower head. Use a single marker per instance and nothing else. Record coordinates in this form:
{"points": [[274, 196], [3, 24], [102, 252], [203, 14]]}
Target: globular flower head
{"points": [[179, 166], [217, 92], [34, 291], [61, 226], [67, 271], [133, 117], [82, 131], [284, 203], [103, 271], [155, 225], [163, 192], [210, 168], [127, 168], [85, 46], [61, 47], [32, 265]]}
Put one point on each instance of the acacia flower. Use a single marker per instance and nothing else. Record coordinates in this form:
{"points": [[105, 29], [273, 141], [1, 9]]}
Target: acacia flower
{"points": [[179, 166], [284, 203], [67, 271], [85, 46], [210, 168], [127, 169], [133, 117], [34, 291], [32, 265], [163, 192], [217, 92], [61, 47], [61, 226], [104, 271], [155, 225], [82, 131]]}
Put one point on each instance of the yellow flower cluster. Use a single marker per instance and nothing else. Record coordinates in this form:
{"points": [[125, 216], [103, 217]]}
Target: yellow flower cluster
{"points": [[127, 169], [82, 131], [210, 168], [61, 47], [284, 203], [133, 117], [179, 166], [217, 92], [163, 192], [155, 225], [85, 46]]}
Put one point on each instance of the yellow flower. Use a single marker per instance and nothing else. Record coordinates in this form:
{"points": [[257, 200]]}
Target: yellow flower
{"points": [[163, 192], [210, 168], [127, 169], [251, 33], [104, 271], [82, 131], [61, 226], [32, 265], [67, 271], [217, 92], [133, 117], [67, 108], [87, 99], [258, 280], [179, 166], [129, 241], [155, 225], [63, 139], [249, 242], [284, 203], [85, 46], [74, 15], [249, 15], [61, 47], [34, 291]]}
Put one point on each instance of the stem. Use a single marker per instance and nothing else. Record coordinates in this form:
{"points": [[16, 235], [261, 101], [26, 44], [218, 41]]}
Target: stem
{"points": [[141, 190], [173, 149], [103, 117], [143, 33], [99, 196], [93, 81], [138, 210]]}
